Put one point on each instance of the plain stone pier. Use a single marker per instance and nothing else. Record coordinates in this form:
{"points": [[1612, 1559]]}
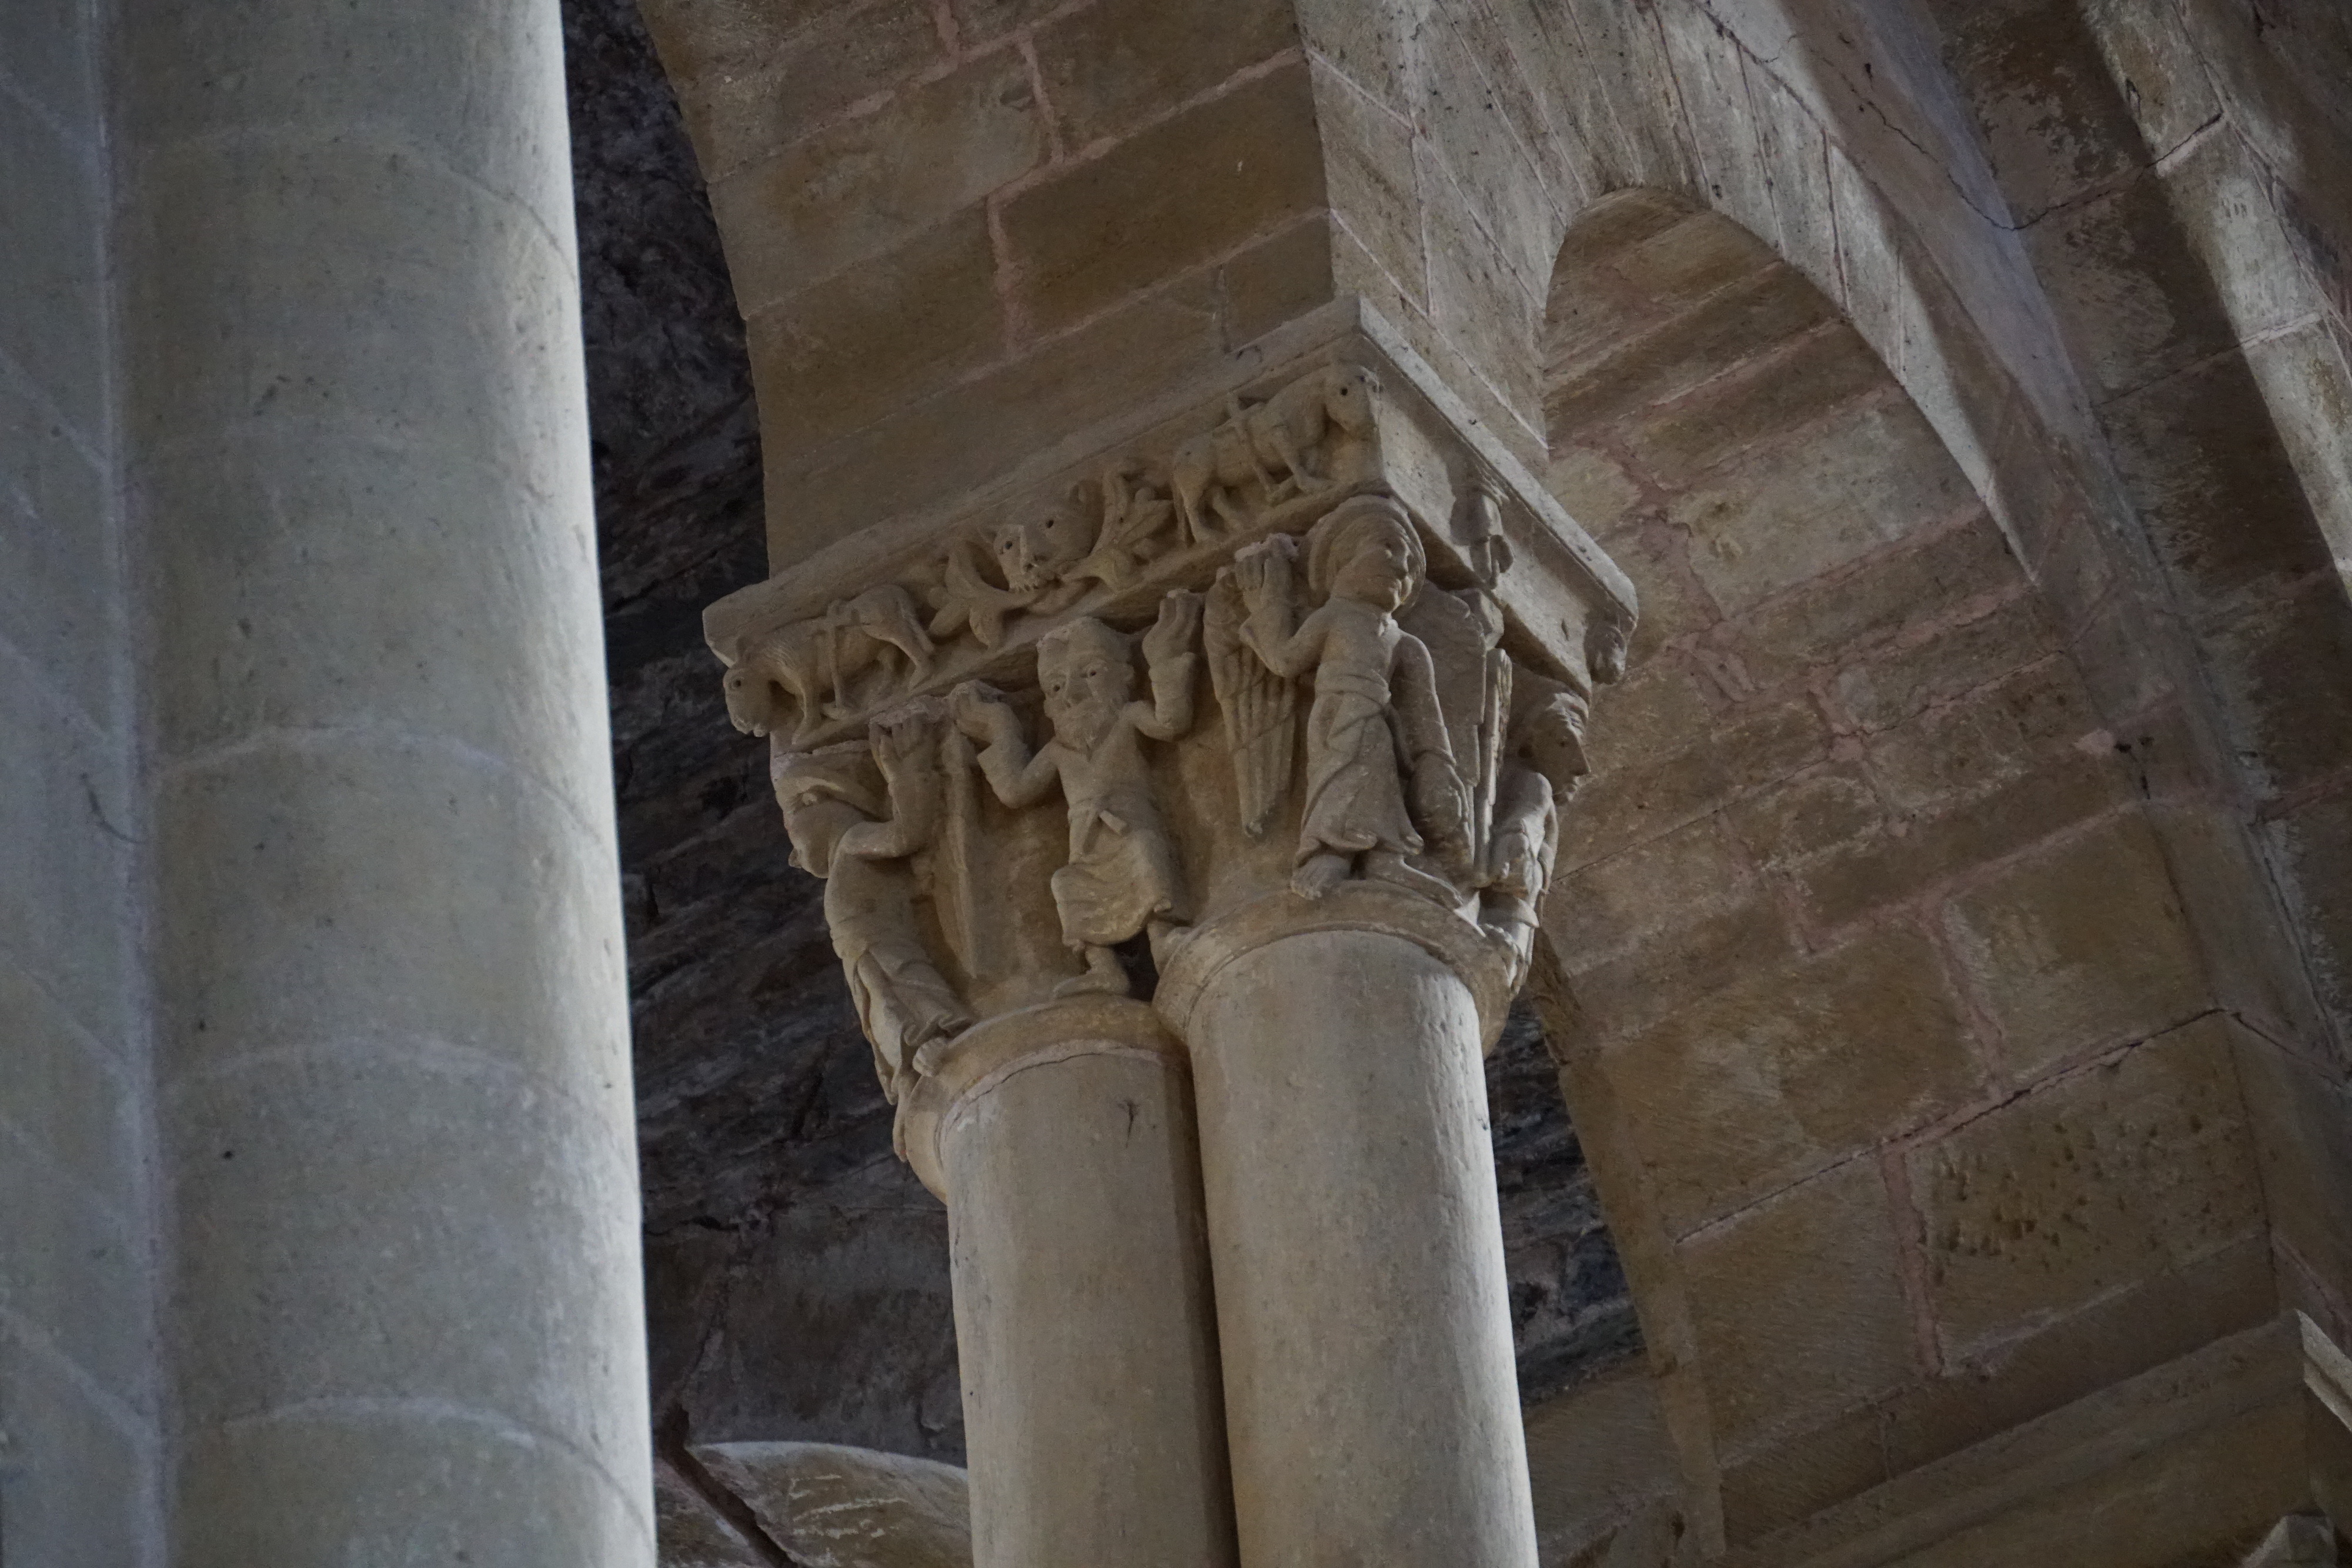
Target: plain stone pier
{"points": [[1364, 1313], [1060, 1136], [404, 1314]]}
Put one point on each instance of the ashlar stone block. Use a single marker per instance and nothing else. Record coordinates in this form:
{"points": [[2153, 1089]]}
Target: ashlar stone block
{"points": [[2086, 1186], [848, 352], [1986, 737], [1112, 66], [2084, 947], [1757, 400], [945, 446], [1869, 478], [871, 183], [1278, 280], [1791, 1070], [1797, 1306], [1170, 197], [794, 84]]}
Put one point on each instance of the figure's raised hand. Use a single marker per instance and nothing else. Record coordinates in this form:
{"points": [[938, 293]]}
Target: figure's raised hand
{"points": [[979, 710], [902, 740], [1263, 569], [1513, 860], [1174, 631]]}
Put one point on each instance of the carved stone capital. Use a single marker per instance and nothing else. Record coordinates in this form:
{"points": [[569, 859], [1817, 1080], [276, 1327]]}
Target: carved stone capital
{"points": [[1161, 497], [1308, 652]]}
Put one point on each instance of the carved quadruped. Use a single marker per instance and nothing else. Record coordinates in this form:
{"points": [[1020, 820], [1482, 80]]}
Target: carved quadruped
{"points": [[987, 1053], [1403, 637], [1351, 410], [1192, 958]]}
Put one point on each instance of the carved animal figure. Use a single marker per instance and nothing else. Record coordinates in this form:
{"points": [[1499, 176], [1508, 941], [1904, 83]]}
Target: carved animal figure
{"points": [[1036, 557], [1033, 554], [816, 662], [1273, 445]]}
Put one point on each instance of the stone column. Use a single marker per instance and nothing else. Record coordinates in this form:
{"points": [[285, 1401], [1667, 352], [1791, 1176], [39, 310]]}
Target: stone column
{"points": [[404, 1317], [1061, 1137], [1363, 1314], [1334, 846]]}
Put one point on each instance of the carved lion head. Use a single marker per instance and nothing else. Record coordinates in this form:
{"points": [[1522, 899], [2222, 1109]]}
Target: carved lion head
{"points": [[1349, 393], [1033, 553], [751, 700]]}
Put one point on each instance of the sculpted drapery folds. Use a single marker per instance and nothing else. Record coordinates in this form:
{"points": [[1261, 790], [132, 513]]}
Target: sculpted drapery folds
{"points": [[862, 848], [1374, 733], [1121, 875], [1396, 704]]}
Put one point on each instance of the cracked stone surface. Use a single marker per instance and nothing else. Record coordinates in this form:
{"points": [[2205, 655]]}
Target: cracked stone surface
{"points": [[797, 1272]]}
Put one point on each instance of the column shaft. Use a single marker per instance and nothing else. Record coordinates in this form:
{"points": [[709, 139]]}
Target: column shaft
{"points": [[403, 1316], [1362, 1309], [1083, 1312]]}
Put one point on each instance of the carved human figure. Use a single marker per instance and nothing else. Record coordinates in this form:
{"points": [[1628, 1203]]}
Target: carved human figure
{"points": [[1520, 847], [861, 847], [1375, 714], [1122, 876]]}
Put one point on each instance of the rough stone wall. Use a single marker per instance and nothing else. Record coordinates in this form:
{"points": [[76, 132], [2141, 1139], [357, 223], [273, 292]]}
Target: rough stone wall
{"points": [[79, 1434]]}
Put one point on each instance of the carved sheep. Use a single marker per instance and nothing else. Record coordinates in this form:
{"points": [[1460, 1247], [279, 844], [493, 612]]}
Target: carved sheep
{"points": [[1271, 444]]}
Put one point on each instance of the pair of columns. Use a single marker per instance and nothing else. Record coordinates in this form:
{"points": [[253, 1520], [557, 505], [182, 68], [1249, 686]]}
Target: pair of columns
{"points": [[1305, 1127], [1195, 1060]]}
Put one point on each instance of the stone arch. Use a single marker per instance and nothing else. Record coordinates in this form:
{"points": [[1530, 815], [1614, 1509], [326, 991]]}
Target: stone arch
{"points": [[1863, 921]]}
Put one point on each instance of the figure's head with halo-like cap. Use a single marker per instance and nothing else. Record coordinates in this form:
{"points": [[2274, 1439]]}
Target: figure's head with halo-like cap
{"points": [[1088, 675], [1367, 550]]}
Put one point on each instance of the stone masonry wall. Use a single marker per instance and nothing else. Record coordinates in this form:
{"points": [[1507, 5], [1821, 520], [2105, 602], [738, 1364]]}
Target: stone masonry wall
{"points": [[79, 1436], [2179, 173], [950, 222], [1864, 934]]}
